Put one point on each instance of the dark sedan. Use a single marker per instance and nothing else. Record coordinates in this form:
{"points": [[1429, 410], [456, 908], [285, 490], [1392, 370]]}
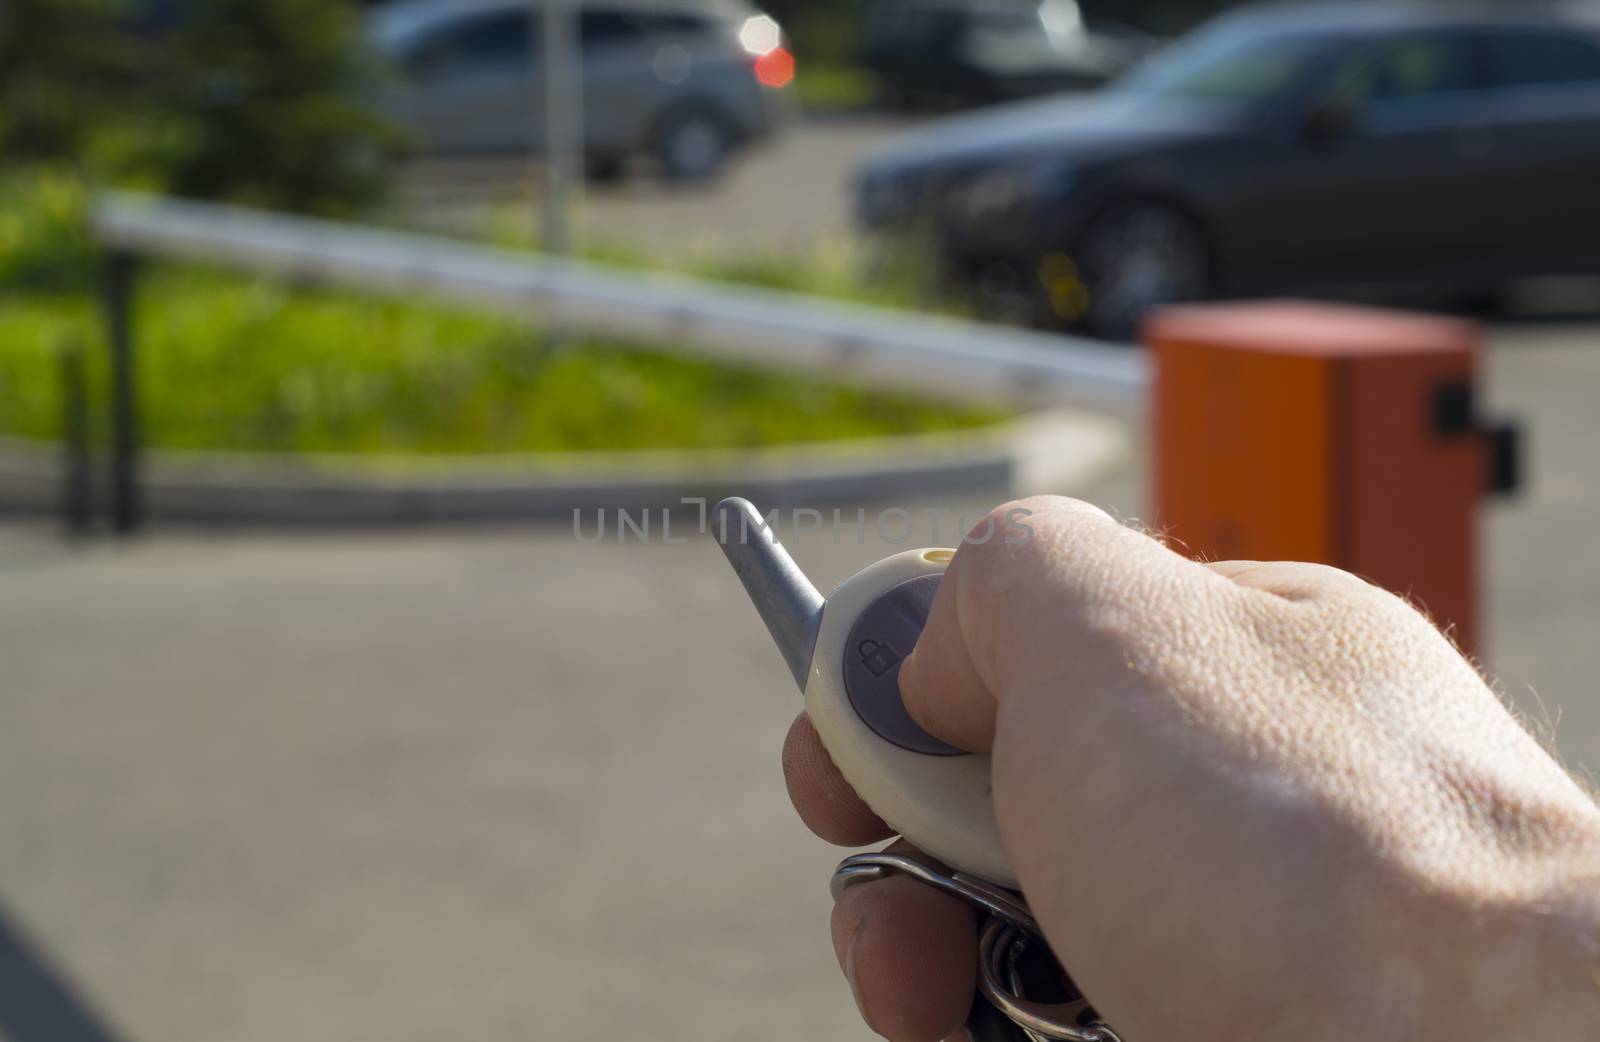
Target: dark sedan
{"points": [[1344, 149], [945, 53]]}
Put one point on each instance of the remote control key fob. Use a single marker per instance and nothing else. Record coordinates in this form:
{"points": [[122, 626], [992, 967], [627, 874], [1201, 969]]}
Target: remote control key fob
{"points": [[845, 654]]}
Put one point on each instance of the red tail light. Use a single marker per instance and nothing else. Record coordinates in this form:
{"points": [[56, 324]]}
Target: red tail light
{"points": [[775, 69]]}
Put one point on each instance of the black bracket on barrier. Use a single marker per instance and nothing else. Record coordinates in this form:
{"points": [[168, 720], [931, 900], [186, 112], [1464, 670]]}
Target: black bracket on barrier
{"points": [[1505, 457], [1455, 413]]}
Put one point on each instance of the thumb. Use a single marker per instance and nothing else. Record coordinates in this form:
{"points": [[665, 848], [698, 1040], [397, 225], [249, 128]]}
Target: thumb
{"points": [[1039, 578], [940, 686]]}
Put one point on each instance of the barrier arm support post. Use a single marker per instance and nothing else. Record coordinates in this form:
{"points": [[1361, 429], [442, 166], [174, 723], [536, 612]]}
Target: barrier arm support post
{"points": [[1340, 435], [119, 279]]}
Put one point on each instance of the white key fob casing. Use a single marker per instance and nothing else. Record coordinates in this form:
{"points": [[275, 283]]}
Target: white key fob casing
{"points": [[846, 652]]}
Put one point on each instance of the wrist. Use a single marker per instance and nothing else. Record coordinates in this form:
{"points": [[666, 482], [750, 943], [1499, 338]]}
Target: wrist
{"points": [[1525, 965], [1563, 928]]}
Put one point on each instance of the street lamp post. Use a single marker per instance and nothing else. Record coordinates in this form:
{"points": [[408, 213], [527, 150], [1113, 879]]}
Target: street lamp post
{"points": [[563, 115]]}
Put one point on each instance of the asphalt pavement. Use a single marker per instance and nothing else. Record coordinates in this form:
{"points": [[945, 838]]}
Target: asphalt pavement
{"points": [[395, 787], [786, 196], [1543, 567]]}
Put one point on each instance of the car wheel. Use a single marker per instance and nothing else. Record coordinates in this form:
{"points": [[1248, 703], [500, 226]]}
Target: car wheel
{"points": [[892, 97], [1138, 257], [692, 145]]}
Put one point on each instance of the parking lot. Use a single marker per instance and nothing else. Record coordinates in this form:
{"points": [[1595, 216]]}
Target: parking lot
{"points": [[371, 780], [788, 194], [493, 784]]}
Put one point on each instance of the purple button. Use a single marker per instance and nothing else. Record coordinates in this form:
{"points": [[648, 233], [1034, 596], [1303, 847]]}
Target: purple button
{"points": [[880, 640]]}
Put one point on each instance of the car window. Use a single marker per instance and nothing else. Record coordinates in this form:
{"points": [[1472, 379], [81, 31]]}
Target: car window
{"points": [[1406, 70], [1226, 65], [909, 30], [1531, 59], [1008, 37], [609, 28], [486, 42], [677, 23], [1016, 23]]}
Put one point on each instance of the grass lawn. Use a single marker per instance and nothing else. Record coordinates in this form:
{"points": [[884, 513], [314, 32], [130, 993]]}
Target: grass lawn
{"points": [[240, 363]]}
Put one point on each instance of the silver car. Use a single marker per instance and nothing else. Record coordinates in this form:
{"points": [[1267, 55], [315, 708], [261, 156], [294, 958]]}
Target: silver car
{"points": [[685, 82]]}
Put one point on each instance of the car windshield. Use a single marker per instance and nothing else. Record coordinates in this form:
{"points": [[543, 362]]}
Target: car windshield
{"points": [[1228, 64]]}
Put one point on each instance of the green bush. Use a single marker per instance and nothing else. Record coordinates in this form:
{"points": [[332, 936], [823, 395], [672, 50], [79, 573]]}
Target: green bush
{"points": [[65, 70], [270, 94], [44, 234]]}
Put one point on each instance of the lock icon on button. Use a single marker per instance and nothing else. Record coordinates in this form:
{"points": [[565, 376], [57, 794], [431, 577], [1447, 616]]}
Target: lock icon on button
{"points": [[879, 658]]}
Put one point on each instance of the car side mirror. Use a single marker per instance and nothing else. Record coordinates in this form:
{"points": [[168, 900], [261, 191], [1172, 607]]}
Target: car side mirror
{"points": [[1328, 120]]}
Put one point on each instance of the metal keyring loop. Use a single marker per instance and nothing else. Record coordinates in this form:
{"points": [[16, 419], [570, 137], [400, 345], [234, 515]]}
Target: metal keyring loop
{"points": [[862, 868], [1057, 1021], [1007, 933]]}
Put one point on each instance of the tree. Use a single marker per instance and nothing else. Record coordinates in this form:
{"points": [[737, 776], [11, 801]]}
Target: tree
{"points": [[274, 97], [258, 101], [64, 68]]}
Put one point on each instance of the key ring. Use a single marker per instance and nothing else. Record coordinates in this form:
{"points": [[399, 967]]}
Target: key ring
{"points": [[1007, 935]]}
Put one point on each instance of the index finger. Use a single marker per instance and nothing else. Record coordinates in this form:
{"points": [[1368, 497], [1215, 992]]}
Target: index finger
{"points": [[823, 799]]}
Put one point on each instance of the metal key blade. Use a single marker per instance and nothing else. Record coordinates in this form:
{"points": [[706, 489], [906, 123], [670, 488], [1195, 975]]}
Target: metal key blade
{"points": [[789, 605]]}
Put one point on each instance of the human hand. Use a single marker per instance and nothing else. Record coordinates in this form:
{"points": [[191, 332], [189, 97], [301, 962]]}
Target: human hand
{"points": [[1245, 801]]}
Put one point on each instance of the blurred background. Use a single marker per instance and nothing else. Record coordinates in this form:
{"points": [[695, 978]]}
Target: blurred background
{"points": [[352, 727]]}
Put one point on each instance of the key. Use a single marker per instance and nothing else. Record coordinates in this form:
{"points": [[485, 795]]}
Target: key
{"points": [[845, 655]]}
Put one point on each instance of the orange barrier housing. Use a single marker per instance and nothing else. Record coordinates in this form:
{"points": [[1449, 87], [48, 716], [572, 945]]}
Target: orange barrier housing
{"points": [[1314, 432]]}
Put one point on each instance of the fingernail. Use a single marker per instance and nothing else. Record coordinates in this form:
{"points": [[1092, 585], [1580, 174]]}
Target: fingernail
{"points": [[909, 678]]}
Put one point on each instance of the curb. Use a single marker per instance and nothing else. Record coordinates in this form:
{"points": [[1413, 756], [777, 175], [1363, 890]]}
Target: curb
{"points": [[1050, 451]]}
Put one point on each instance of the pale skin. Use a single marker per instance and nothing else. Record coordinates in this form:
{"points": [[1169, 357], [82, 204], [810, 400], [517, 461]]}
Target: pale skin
{"points": [[1247, 801]]}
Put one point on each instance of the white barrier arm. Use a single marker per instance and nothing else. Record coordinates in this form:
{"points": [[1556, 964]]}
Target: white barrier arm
{"points": [[894, 350]]}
